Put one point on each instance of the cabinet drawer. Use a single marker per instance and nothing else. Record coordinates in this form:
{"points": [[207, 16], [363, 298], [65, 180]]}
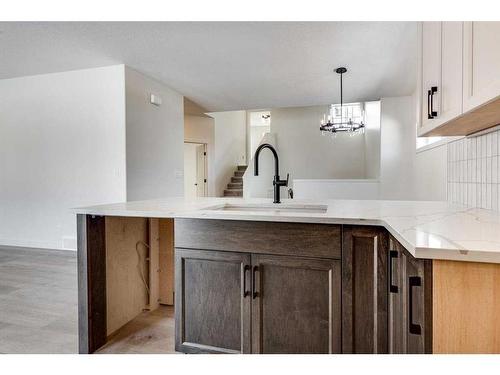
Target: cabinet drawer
{"points": [[258, 237]]}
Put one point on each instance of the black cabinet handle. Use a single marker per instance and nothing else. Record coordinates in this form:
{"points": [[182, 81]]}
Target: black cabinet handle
{"points": [[414, 281], [245, 291], [429, 104], [255, 294], [393, 254], [431, 113], [434, 113]]}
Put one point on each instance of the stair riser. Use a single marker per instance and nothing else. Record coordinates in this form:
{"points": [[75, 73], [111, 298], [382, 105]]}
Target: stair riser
{"points": [[237, 180], [236, 185], [233, 193], [239, 173], [242, 168]]}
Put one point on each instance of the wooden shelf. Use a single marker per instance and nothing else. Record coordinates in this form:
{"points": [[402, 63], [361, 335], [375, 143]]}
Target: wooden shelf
{"points": [[480, 118]]}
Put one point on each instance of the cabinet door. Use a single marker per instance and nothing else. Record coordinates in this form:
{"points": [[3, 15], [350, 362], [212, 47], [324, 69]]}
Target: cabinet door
{"points": [[442, 70], [431, 68], [417, 308], [481, 63], [410, 302], [364, 290], [397, 332], [212, 301], [296, 305], [450, 88]]}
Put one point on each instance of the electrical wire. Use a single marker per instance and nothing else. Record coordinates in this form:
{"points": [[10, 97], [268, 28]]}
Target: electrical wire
{"points": [[139, 265]]}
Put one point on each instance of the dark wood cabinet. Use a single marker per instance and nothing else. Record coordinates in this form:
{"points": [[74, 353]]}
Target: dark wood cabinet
{"points": [[212, 302], [410, 302], [397, 329], [358, 291], [364, 290], [295, 305]]}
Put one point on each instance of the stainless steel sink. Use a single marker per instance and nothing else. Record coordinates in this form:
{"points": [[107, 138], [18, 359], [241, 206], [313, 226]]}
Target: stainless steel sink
{"points": [[275, 208]]}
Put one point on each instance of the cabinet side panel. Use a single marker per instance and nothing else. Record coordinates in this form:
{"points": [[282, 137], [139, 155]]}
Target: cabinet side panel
{"points": [[91, 282], [466, 307]]}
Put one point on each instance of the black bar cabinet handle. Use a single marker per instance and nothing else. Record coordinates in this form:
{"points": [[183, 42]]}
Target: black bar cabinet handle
{"points": [[255, 294], [429, 104], [434, 113], [393, 254], [414, 281], [245, 291]]}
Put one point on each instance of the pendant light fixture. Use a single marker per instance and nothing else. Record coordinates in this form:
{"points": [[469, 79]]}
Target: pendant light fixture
{"points": [[340, 119]]}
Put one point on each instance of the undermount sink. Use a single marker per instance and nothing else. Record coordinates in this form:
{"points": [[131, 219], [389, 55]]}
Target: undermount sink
{"points": [[285, 208]]}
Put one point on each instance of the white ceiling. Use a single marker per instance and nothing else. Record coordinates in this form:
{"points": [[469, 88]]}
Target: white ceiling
{"points": [[228, 65]]}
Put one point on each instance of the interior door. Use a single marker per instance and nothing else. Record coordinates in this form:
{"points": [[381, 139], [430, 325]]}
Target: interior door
{"points": [[212, 301], [295, 305], [200, 170]]}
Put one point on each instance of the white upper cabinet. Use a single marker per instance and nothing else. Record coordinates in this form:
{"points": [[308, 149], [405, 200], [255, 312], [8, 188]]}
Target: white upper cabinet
{"points": [[481, 62], [459, 77], [441, 73]]}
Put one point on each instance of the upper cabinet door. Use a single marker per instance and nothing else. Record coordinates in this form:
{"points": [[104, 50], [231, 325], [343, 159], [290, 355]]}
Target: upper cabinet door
{"points": [[481, 63], [451, 86], [431, 68], [441, 54]]}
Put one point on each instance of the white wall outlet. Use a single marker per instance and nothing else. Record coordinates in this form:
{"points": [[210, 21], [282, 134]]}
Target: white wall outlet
{"points": [[155, 100]]}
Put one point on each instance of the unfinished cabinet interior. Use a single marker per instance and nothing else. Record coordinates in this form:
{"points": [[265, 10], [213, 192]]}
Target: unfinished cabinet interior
{"points": [[124, 270]]}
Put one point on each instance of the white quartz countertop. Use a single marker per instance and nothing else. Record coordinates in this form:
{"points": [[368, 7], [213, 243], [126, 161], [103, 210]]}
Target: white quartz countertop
{"points": [[432, 230]]}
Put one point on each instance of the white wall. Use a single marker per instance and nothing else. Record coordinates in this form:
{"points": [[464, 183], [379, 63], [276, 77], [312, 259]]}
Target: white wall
{"points": [[261, 186], [202, 130], [336, 189], [397, 148], [305, 153], [430, 170], [62, 145], [372, 140], [230, 146], [155, 138]]}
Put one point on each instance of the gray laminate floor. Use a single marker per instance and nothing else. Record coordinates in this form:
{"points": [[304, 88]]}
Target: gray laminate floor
{"points": [[38, 301], [149, 333], [39, 308]]}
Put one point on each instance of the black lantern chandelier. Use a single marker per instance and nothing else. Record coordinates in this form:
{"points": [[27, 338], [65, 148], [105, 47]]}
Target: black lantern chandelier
{"points": [[342, 123]]}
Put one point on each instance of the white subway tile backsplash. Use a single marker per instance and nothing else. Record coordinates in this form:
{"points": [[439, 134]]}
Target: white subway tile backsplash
{"points": [[494, 169], [473, 175], [488, 170], [489, 141]]}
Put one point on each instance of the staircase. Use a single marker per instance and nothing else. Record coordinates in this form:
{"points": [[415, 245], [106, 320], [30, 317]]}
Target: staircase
{"points": [[235, 187]]}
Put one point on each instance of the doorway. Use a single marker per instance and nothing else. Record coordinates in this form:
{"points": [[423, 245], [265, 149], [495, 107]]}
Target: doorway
{"points": [[195, 170]]}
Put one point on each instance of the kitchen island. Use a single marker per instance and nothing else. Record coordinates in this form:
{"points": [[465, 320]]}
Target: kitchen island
{"points": [[334, 276]]}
